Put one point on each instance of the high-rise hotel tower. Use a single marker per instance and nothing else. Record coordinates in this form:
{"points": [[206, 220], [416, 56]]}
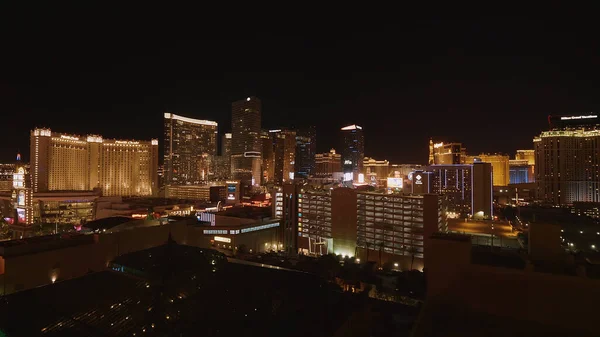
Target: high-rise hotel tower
{"points": [[63, 162], [190, 149], [567, 160]]}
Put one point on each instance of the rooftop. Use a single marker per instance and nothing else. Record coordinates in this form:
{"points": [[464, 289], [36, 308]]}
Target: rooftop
{"points": [[191, 296], [43, 243]]}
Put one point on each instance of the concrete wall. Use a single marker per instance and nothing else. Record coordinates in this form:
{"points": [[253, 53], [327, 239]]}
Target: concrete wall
{"points": [[343, 220]]}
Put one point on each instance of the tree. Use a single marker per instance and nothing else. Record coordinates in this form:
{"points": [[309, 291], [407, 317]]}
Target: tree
{"points": [[380, 252], [412, 250]]}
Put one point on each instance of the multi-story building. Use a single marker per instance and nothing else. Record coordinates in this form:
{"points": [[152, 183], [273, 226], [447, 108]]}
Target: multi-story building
{"points": [[284, 155], [528, 155], [190, 145], [520, 171], [246, 144], [567, 161], [268, 157], [376, 171], [353, 151], [374, 226], [326, 164], [467, 187], [398, 225], [214, 192], [306, 146], [62, 162], [500, 166], [448, 153]]}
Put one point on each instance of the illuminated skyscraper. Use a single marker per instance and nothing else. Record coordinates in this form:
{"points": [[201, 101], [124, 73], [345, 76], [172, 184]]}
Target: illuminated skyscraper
{"points": [[306, 147], [62, 162], [268, 159], [246, 144], [189, 145], [567, 160], [353, 151]]}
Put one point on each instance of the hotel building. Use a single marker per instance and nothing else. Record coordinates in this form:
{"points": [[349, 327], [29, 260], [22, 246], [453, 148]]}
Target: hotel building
{"points": [[63, 162], [246, 144], [306, 147], [353, 151], [567, 160], [326, 164], [190, 148], [500, 166], [376, 171], [447, 153]]}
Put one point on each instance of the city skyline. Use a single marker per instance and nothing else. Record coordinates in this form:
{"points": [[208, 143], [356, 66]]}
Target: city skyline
{"points": [[447, 80]]}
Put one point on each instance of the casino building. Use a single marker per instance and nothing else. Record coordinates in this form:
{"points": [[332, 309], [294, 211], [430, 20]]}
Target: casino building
{"points": [[64, 162]]}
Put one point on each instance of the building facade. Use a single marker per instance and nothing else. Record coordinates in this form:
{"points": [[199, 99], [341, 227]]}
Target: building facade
{"points": [[372, 226], [468, 188], [62, 162], [246, 144], [376, 171], [448, 153], [306, 149], [326, 164], [353, 151], [500, 166], [190, 145], [567, 160]]}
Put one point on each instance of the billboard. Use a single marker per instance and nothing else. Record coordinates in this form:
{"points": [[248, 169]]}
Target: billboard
{"points": [[394, 182], [21, 215]]}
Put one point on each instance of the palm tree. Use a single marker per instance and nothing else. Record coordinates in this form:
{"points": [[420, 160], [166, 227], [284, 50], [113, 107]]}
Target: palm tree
{"points": [[380, 252], [412, 251]]}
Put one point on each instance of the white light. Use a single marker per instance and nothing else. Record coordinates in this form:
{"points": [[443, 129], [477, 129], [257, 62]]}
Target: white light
{"points": [[577, 117], [357, 260], [248, 99], [593, 246], [154, 142], [361, 178], [351, 127], [169, 115], [436, 145], [228, 135], [580, 232], [395, 264], [222, 239]]}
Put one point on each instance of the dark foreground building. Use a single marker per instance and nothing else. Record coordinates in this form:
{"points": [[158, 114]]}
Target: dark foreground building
{"points": [[178, 290]]}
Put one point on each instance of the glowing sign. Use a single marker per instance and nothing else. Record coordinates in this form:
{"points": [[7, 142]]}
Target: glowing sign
{"points": [[394, 182], [126, 142], [291, 175], [418, 180], [361, 178], [21, 198], [154, 142], [348, 176], [228, 136], [436, 145], [68, 137], [577, 117], [222, 239], [21, 215], [347, 162]]}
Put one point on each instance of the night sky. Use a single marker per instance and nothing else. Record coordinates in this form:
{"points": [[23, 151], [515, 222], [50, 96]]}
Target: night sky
{"points": [[487, 83]]}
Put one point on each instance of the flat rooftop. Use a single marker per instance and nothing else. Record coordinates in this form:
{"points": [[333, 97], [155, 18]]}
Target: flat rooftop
{"points": [[43, 243], [191, 299]]}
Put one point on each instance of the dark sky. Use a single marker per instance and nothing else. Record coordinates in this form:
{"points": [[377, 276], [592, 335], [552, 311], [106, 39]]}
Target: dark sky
{"points": [[489, 83]]}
